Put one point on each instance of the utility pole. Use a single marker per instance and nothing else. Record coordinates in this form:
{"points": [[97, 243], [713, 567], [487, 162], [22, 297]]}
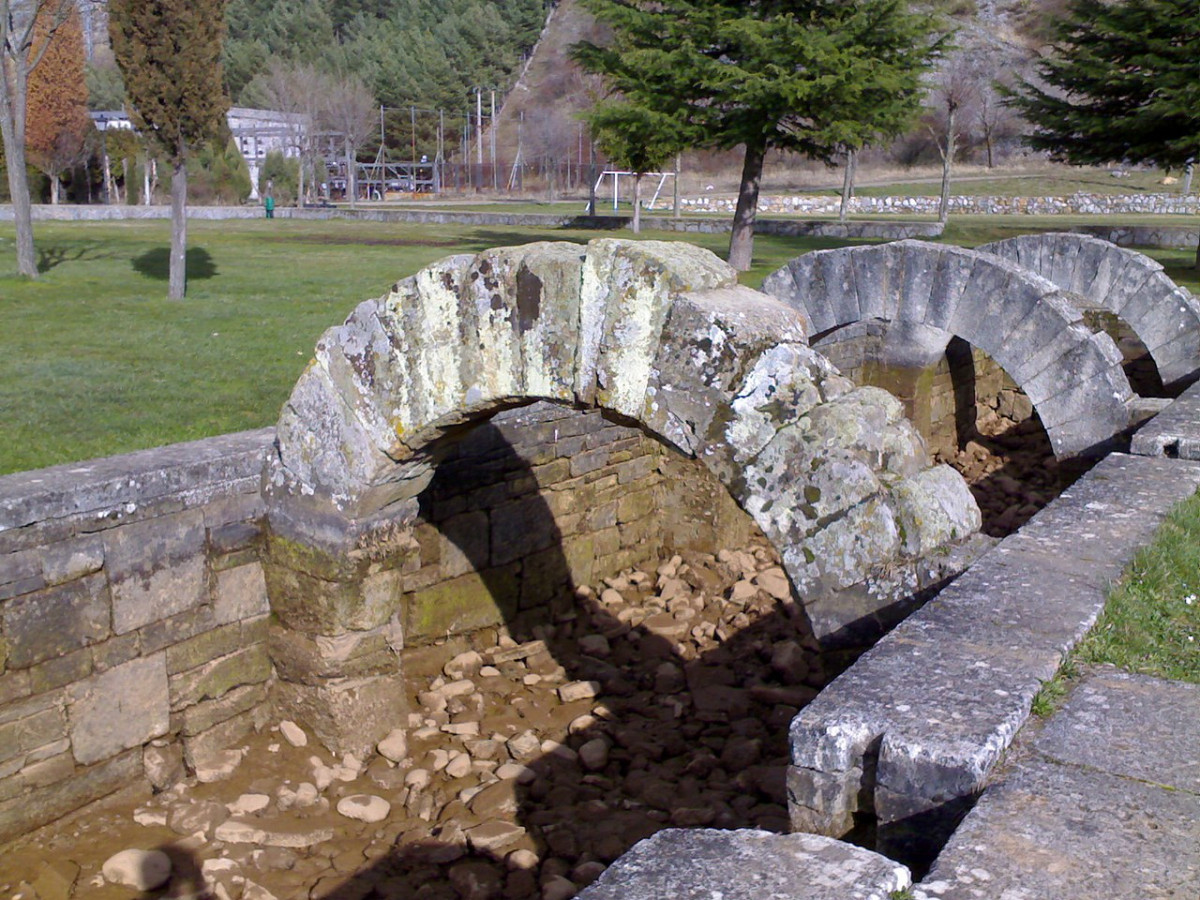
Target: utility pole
{"points": [[495, 174]]}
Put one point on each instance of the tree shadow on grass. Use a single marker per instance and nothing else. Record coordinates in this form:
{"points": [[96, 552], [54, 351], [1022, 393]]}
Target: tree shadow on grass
{"points": [[50, 257], [156, 264]]}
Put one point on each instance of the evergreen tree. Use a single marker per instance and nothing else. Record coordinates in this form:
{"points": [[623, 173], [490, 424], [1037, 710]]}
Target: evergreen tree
{"points": [[169, 53], [57, 124], [637, 139], [810, 76], [1121, 85]]}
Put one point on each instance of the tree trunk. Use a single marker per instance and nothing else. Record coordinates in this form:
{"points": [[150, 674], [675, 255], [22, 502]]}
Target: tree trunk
{"points": [[847, 184], [54, 189], [351, 178], [637, 203], [947, 163], [12, 132], [177, 286], [1186, 187], [741, 240]]}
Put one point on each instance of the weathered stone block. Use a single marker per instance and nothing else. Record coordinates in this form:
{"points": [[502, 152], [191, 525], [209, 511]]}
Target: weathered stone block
{"points": [[521, 528], [462, 604], [20, 573], [52, 622], [349, 715], [747, 865], [68, 560], [250, 665], [156, 568], [199, 718], [39, 806], [464, 543], [203, 648], [119, 709], [241, 594], [307, 659], [54, 673]]}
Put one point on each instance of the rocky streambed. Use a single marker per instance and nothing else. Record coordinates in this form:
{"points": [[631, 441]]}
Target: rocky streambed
{"points": [[532, 757]]}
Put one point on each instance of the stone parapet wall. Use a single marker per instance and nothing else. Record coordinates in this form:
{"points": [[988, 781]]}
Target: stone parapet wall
{"points": [[132, 610]]}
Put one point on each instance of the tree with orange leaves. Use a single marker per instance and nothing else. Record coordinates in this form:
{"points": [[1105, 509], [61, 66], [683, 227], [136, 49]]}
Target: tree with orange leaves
{"points": [[18, 58], [57, 124]]}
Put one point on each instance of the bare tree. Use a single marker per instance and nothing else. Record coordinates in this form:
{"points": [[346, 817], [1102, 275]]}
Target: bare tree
{"points": [[19, 55], [296, 90], [951, 97], [349, 110]]}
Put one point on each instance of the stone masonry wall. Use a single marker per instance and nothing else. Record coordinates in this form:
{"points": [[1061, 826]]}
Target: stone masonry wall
{"points": [[134, 629], [943, 401], [132, 610]]}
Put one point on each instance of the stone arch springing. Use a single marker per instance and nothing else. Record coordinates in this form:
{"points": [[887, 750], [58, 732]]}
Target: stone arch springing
{"points": [[655, 334], [929, 293], [1131, 285]]}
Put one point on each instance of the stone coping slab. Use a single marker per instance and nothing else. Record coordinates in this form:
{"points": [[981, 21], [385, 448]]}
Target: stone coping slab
{"points": [[909, 733], [1106, 805], [131, 479], [1174, 432], [706, 864]]}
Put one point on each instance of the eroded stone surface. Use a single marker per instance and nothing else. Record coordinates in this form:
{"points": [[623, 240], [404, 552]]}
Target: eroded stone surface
{"points": [[1132, 285], [747, 865], [919, 721], [1108, 804]]}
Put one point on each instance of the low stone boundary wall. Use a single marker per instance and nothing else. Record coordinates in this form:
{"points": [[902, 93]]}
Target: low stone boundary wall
{"points": [[909, 733], [877, 230], [133, 621], [1174, 432], [1078, 204], [1166, 236]]}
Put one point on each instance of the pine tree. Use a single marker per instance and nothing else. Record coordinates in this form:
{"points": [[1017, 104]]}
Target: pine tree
{"points": [[810, 76], [169, 53], [57, 124], [1121, 85]]}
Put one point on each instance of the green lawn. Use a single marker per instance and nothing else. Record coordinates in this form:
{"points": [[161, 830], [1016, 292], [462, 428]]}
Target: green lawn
{"points": [[95, 361], [1151, 623]]}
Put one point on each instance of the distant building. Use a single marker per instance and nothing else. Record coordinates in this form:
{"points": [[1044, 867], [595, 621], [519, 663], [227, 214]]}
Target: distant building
{"points": [[262, 131], [256, 131]]}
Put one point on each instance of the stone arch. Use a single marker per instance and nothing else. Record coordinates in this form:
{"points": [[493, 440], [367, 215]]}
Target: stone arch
{"points": [[1128, 284], [931, 293], [657, 334]]}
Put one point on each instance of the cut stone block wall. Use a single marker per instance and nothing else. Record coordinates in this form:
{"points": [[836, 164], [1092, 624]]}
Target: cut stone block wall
{"points": [[944, 400], [132, 610], [133, 603]]}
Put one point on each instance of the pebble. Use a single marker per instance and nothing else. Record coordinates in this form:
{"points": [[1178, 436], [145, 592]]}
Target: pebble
{"points": [[142, 870], [364, 808], [394, 747], [293, 733]]}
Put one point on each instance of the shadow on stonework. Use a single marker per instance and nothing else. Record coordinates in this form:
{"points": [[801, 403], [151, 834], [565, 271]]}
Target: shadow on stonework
{"points": [[691, 733]]}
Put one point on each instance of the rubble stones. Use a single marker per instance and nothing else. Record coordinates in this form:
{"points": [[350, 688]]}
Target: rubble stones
{"points": [[535, 792]]}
